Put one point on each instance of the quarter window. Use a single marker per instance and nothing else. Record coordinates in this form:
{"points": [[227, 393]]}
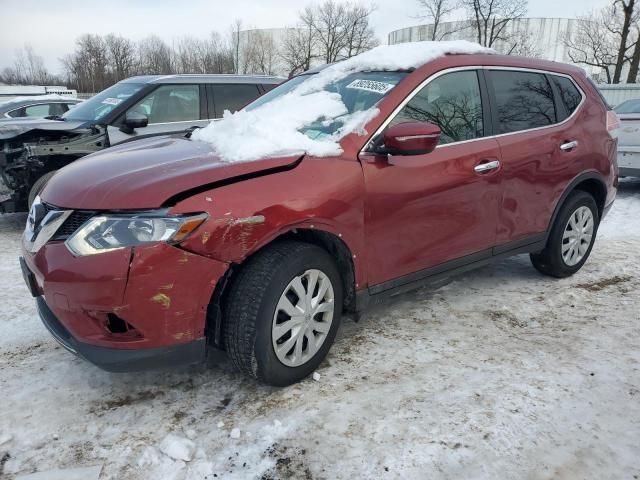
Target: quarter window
{"points": [[570, 95], [451, 101], [171, 103], [524, 100], [233, 97], [40, 110]]}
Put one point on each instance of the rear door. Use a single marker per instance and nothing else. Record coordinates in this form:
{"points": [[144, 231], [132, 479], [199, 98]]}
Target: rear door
{"points": [[170, 109], [540, 144], [232, 96]]}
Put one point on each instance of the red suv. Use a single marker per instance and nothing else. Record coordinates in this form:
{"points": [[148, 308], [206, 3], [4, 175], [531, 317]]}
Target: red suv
{"points": [[151, 253]]}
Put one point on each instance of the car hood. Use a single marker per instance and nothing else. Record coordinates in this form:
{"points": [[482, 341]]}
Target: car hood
{"points": [[12, 127], [146, 174]]}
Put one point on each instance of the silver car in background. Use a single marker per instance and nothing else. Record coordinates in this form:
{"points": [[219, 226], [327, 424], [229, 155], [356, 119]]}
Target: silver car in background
{"points": [[629, 138], [36, 106]]}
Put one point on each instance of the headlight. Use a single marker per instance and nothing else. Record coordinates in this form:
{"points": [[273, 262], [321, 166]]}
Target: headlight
{"points": [[111, 232]]}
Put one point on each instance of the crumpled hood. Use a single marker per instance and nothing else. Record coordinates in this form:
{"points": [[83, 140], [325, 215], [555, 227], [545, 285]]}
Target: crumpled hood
{"points": [[145, 174], [10, 128]]}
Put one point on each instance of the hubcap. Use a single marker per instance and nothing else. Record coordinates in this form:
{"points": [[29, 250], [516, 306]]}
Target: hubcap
{"points": [[578, 235], [303, 317]]}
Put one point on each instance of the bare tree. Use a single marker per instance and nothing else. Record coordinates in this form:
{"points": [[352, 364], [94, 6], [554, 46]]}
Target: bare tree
{"points": [[523, 44], [258, 53], [28, 69], [236, 28], [155, 56], [327, 22], [436, 11], [298, 49], [187, 55], [340, 30], [623, 14], [592, 44], [88, 64], [359, 37], [634, 60], [490, 18], [122, 56]]}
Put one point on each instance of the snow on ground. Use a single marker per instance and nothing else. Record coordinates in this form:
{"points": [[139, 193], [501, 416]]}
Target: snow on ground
{"points": [[275, 126], [502, 373]]}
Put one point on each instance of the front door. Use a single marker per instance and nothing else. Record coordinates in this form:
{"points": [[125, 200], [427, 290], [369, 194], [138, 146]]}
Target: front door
{"points": [[170, 109], [424, 210]]}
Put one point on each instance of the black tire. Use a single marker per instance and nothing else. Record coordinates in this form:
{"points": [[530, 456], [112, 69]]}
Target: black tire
{"points": [[550, 261], [38, 185], [251, 304]]}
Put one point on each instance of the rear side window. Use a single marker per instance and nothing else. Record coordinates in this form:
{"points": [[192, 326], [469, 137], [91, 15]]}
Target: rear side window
{"points": [[233, 97], [269, 86], [524, 100], [451, 101], [570, 95]]}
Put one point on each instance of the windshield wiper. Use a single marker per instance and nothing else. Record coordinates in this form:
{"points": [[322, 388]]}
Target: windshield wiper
{"points": [[55, 117]]}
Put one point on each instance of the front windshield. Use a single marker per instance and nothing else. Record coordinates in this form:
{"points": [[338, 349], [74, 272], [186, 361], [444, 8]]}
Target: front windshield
{"points": [[358, 91], [104, 102], [630, 106]]}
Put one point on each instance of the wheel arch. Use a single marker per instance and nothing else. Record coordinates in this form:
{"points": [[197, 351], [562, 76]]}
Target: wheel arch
{"points": [[591, 182], [328, 241]]}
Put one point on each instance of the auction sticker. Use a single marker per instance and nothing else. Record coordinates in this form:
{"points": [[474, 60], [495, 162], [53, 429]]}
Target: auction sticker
{"points": [[111, 101], [371, 86]]}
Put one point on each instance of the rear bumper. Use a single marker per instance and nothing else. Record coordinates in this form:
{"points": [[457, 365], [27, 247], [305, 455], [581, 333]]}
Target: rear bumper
{"points": [[629, 161], [120, 360]]}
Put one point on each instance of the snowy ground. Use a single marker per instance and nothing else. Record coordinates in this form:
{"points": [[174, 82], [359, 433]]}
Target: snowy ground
{"points": [[502, 373]]}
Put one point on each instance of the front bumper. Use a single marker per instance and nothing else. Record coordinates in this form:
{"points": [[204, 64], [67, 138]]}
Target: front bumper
{"points": [[119, 360], [128, 309]]}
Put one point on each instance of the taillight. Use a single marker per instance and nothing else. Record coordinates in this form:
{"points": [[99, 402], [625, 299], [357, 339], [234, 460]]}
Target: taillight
{"points": [[613, 122]]}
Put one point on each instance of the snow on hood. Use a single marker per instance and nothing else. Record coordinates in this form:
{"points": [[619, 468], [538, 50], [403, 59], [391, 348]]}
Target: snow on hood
{"points": [[275, 126]]}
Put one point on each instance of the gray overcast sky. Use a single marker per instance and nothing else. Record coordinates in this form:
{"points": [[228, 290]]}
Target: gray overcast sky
{"points": [[52, 26]]}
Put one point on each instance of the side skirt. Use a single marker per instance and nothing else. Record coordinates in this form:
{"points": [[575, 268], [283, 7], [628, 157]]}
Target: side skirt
{"points": [[434, 276]]}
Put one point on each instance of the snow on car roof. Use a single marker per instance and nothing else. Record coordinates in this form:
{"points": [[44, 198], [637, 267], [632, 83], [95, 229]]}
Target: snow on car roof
{"points": [[274, 127], [37, 99]]}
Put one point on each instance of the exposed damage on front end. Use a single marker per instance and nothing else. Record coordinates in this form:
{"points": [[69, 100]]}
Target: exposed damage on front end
{"points": [[29, 152]]}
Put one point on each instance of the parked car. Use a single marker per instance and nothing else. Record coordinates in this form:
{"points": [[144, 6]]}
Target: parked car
{"points": [[35, 106], [32, 150], [150, 254], [629, 138]]}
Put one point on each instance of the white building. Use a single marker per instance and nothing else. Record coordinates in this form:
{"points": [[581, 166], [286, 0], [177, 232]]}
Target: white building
{"points": [[539, 37]]}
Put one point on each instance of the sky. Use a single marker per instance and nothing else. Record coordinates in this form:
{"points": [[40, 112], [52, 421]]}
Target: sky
{"points": [[51, 27]]}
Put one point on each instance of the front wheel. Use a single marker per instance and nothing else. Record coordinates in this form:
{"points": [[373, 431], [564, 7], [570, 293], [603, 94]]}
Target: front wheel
{"points": [[282, 312], [37, 187], [571, 238]]}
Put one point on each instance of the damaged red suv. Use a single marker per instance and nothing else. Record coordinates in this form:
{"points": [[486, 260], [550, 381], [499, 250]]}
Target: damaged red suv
{"points": [[339, 188]]}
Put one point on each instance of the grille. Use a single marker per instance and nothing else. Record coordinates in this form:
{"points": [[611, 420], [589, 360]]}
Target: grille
{"points": [[71, 224]]}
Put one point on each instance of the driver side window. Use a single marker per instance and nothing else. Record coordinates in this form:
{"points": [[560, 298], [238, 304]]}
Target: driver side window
{"points": [[170, 103], [451, 101]]}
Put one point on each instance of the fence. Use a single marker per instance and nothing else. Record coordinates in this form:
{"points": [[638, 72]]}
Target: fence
{"points": [[618, 93]]}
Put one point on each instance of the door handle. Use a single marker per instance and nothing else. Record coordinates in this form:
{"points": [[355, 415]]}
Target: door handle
{"points": [[569, 146], [486, 167]]}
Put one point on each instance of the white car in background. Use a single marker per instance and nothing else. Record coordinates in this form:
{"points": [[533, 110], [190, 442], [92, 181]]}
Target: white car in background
{"points": [[629, 138]]}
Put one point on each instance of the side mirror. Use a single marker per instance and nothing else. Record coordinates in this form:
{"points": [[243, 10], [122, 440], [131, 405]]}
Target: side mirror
{"points": [[411, 138], [133, 120]]}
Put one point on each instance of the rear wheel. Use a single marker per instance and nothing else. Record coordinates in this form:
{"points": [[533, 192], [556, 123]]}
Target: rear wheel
{"points": [[571, 238], [38, 185], [282, 312]]}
